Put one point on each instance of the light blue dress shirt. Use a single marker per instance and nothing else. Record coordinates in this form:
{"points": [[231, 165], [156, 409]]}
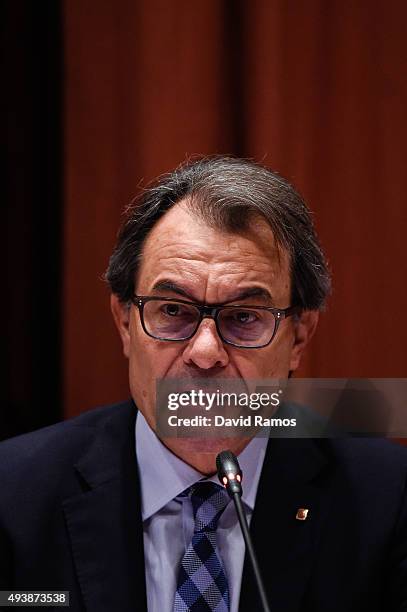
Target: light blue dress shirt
{"points": [[168, 522]]}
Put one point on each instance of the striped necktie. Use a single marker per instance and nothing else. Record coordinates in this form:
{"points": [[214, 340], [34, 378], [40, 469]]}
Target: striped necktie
{"points": [[202, 585]]}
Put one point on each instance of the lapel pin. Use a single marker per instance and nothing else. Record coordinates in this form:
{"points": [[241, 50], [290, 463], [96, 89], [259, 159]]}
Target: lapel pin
{"points": [[302, 514]]}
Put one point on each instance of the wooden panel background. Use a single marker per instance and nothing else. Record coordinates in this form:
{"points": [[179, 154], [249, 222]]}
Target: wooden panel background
{"points": [[315, 89]]}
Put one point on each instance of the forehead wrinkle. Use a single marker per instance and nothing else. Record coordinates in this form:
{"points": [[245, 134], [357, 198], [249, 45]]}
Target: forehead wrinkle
{"points": [[191, 254], [212, 262], [222, 272], [172, 240], [195, 274], [235, 244], [244, 289], [263, 264]]}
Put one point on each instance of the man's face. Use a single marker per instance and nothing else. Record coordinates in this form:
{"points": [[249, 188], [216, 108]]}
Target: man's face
{"points": [[206, 265]]}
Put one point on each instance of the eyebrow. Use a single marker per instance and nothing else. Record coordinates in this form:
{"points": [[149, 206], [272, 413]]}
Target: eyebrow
{"points": [[168, 285]]}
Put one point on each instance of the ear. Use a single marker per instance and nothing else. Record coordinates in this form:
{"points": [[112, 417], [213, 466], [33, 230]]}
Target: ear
{"points": [[304, 328], [121, 316]]}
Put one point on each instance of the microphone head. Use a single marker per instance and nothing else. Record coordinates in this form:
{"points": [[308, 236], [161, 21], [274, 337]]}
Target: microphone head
{"points": [[229, 472]]}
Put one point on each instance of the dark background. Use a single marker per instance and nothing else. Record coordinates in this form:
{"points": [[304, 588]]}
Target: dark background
{"points": [[33, 200], [101, 96]]}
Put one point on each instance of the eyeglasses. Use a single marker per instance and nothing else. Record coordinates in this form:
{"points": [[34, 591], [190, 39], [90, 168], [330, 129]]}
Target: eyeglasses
{"points": [[241, 326]]}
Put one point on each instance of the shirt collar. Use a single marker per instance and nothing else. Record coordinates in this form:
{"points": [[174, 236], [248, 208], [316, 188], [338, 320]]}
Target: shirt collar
{"points": [[163, 475]]}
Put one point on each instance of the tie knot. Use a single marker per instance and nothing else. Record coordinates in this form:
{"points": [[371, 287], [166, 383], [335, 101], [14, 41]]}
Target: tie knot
{"points": [[208, 502]]}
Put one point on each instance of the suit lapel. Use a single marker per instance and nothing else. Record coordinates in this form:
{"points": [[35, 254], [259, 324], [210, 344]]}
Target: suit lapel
{"points": [[292, 478], [104, 521], [105, 527]]}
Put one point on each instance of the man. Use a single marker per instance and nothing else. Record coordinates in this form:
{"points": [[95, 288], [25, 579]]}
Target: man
{"points": [[217, 273]]}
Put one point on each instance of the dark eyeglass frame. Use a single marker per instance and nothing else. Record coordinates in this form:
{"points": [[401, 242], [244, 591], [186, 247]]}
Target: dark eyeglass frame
{"points": [[212, 312]]}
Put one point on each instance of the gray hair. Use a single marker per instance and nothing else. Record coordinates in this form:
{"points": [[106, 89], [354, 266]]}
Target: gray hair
{"points": [[226, 192]]}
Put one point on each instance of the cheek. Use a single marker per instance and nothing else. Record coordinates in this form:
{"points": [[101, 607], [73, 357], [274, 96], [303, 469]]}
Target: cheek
{"points": [[254, 365], [150, 359], [269, 362], [280, 352]]}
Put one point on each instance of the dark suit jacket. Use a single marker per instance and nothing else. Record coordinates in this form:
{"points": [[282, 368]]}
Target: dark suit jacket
{"points": [[70, 519]]}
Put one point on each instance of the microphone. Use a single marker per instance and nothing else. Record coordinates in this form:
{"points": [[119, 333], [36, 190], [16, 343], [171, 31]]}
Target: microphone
{"points": [[230, 476], [229, 472]]}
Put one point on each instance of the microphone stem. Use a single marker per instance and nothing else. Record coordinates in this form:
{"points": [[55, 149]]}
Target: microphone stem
{"points": [[249, 547]]}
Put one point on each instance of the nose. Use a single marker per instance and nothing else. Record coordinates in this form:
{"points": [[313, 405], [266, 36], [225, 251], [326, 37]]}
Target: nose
{"points": [[205, 349]]}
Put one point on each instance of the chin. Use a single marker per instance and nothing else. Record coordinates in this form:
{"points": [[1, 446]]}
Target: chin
{"points": [[184, 447]]}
